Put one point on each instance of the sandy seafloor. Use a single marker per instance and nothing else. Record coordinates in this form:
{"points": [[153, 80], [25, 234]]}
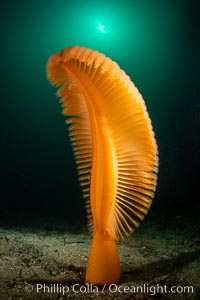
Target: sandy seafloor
{"points": [[161, 253]]}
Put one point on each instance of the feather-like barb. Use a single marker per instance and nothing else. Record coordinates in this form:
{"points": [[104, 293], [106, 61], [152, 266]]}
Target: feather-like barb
{"points": [[114, 147]]}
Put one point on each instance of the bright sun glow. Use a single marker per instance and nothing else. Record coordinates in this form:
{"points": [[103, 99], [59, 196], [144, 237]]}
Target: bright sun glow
{"points": [[101, 27]]}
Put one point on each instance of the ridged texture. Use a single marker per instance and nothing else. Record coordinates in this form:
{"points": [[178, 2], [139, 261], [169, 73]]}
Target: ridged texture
{"points": [[112, 138]]}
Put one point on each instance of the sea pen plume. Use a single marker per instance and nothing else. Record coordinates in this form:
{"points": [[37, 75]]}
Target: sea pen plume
{"points": [[114, 147]]}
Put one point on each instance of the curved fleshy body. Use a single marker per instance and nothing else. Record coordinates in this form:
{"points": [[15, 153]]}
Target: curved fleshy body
{"points": [[114, 147]]}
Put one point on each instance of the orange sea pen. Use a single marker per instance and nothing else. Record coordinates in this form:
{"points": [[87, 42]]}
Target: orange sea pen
{"points": [[114, 147]]}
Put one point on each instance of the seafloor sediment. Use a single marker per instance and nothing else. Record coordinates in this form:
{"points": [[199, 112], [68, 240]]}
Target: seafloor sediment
{"points": [[161, 259]]}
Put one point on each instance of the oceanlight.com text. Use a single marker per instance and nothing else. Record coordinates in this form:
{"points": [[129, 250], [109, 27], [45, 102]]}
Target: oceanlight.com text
{"points": [[56, 288]]}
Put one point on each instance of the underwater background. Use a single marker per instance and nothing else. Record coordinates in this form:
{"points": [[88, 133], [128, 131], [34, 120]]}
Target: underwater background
{"points": [[155, 42], [43, 222]]}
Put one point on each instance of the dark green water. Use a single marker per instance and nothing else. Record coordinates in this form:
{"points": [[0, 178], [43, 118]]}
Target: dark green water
{"points": [[155, 42]]}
